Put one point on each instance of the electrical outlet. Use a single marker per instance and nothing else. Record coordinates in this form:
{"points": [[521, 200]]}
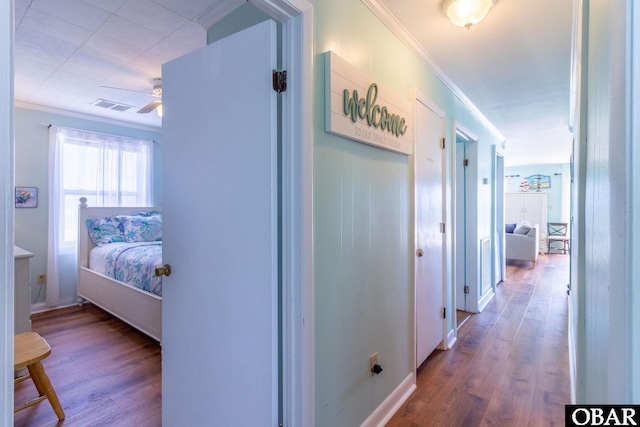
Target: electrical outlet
{"points": [[373, 361], [42, 279]]}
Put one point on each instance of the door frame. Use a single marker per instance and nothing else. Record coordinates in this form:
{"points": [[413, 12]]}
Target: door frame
{"points": [[7, 295], [419, 97], [296, 17], [458, 130], [499, 272]]}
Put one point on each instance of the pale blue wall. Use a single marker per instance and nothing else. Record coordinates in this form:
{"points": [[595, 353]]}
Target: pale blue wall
{"points": [[554, 192], [32, 170], [364, 238], [602, 283], [362, 217]]}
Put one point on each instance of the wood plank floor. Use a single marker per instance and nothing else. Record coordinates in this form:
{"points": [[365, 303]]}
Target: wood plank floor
{"points": [[508, 368], [105, 372], [510, 365]]}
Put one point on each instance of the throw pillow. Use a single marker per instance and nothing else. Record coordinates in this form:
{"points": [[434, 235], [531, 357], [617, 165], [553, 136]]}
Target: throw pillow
{"points": [[104, 230], [141, 228], [522, 228], [510, 227]]}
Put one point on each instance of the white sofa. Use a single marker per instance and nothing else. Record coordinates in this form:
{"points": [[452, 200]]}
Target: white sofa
{"points": [[523, 244]]}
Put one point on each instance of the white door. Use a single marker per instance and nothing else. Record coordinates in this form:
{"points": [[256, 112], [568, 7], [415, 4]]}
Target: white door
{"points": [[429, 235], [220, 234]]}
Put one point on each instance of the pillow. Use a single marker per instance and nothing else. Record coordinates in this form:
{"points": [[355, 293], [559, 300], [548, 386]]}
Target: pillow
{"points": [[522, 228], [141, 228], [509, 228], [150, 213], [104, 230]]}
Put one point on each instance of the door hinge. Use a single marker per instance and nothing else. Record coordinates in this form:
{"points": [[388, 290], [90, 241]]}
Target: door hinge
{"points": [[279, 80], [465, 162], [442, 227], [442, 143], [444, 312], [466, 289]]}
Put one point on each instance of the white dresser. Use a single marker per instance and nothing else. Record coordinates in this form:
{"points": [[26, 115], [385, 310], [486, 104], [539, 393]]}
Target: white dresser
{"points": [[531, 207], [22, 276]]}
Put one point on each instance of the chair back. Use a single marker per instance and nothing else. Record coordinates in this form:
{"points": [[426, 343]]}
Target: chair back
{"points": [[557, 228]]}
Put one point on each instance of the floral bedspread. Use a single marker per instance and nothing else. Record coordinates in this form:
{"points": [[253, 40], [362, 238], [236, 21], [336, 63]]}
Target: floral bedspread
{"points": [[135, 263]]}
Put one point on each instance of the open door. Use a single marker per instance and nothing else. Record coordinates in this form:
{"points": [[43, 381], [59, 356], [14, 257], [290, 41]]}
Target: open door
{"points": [[466, 288], [220, 234]]}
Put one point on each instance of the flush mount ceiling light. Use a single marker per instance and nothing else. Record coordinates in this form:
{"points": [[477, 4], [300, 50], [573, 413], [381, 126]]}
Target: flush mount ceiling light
{"points": [[465, 13]]}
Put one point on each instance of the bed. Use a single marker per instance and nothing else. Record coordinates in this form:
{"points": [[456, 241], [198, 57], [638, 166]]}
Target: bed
{"points": [[141, 306]]}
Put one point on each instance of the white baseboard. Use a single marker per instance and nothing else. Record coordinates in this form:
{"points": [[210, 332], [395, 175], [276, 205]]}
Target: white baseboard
{"points": [[452, 337], [572, 350], [41, 307], [485, 300], [392, 403]]}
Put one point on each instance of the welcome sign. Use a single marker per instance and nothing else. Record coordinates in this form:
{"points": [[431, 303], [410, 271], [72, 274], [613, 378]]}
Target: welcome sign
{"points": [[359, 109]]}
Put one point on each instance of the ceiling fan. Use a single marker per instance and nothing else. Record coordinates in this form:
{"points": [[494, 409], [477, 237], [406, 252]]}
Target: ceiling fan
{"points": [[156, 91]]}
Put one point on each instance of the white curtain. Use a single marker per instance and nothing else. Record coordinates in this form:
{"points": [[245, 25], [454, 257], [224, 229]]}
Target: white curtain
{"points": [[108, 170], [53, 253]]}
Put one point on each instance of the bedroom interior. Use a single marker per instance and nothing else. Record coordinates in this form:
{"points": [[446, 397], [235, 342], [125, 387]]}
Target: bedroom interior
{"points": [[65, 67]]}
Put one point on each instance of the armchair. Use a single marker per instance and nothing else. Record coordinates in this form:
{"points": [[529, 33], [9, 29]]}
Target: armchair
{"points": [[523, 243]]}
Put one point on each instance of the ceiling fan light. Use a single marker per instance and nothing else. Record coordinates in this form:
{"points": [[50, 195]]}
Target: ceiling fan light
{"points": [[159, 110], [465, 13]]}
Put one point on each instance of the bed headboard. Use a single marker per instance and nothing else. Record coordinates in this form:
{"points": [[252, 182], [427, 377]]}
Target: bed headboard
{"points": [[85, 244]]}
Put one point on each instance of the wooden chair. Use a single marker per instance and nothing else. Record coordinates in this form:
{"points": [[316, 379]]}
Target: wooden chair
{"points": [[29, 350], [557, 233]]}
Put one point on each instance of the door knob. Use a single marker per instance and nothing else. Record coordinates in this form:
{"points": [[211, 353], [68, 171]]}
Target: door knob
{"points": [[419, 252], [166, 270]]}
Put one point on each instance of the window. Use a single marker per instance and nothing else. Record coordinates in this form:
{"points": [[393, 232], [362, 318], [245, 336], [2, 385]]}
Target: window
{"points": [[108, 170]]}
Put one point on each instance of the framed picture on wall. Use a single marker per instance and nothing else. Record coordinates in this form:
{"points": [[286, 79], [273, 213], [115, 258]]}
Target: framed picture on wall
{"points": [[539, 181], [26, 197]]}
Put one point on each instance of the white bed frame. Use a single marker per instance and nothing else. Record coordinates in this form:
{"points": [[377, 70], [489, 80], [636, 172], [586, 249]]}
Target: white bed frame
{"points": [[140, 309]]}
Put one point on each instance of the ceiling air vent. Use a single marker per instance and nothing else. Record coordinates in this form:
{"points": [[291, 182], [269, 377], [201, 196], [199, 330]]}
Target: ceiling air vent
{"points": [[110, 105]]}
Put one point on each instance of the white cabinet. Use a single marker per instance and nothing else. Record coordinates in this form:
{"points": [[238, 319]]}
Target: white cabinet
{"points": [[22, 277], [531, 207]]}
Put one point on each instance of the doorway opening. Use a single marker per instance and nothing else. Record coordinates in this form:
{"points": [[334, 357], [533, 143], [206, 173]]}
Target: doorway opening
{"points": [[464, 282]]}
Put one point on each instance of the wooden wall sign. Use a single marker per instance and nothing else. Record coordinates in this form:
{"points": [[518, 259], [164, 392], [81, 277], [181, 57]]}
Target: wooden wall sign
{"points": [[358, 108]]}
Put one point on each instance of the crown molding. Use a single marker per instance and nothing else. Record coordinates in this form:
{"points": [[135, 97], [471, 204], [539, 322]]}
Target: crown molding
{"points": [[74, 114], [398, 28]]}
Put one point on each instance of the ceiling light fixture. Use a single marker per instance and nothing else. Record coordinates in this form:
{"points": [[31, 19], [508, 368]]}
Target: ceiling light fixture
{"points": [[465, 13]]}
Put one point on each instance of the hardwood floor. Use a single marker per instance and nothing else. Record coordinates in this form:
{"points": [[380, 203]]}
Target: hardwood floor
{"points": [[105, 372], [510, 365]]}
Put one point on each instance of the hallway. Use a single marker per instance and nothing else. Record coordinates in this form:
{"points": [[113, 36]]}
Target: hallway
{"points": [[510, 365]]}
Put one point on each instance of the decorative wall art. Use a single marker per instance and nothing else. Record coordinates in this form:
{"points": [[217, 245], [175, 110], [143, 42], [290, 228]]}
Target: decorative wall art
{"points": [[26, 197], [358, 108], [538, 182]]}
